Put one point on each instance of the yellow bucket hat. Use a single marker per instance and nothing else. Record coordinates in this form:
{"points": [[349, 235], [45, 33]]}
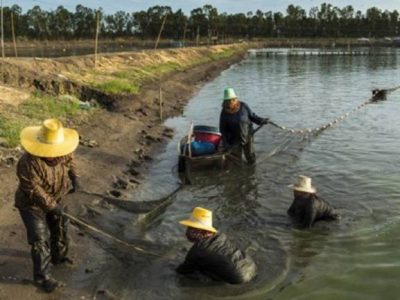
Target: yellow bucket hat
{"points": [[200, 218], [49, 140]]}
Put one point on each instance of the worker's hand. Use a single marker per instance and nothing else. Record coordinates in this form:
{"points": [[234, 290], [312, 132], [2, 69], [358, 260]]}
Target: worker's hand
{"points": [[58, 210], [228, 147], [264, 121]]}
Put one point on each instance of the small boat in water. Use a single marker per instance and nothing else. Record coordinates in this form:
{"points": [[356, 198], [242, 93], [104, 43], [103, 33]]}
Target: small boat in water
{"points": [[200, 148]]}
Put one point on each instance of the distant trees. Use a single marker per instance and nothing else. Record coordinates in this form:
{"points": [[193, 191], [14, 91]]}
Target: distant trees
{"points": [[324, 21]]}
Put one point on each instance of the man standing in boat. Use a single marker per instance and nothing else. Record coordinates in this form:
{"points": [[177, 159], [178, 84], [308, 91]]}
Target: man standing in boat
{"points": [[236, 126]]}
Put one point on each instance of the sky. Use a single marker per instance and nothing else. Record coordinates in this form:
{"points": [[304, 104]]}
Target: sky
{"points": [[229, 6]]}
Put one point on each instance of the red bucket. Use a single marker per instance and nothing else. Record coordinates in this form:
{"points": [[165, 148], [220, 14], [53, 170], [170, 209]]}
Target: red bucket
{"points": [[207, 134]]}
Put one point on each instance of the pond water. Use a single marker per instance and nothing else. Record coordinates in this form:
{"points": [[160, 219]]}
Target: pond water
{"points": [[354, 165], [53, 50]]}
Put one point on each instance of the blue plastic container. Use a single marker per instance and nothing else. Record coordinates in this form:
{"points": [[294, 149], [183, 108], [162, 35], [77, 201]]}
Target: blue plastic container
{"points": [[200, 148]]}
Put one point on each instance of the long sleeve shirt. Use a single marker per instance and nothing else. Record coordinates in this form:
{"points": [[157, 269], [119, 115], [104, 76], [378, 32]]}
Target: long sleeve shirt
{"points": [[42, 185], [217, 258], [236, 128], [305, 211]]}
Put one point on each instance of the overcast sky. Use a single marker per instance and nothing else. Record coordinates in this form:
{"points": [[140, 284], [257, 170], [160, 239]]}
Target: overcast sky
{"points": [[229, 6]]}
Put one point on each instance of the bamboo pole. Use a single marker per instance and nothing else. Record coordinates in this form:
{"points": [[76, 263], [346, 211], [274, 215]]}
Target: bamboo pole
{"points": [[96, 42], [184, 34], [13, 34], [2, 31], [198, 36], [161, 104], [161, 29]]}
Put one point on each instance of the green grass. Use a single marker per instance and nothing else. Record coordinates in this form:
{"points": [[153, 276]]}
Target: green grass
{"points": [[130, 80], [223, 54], [118, 86], [163, 68], [34, 111], [48, 107], [9, 131]]}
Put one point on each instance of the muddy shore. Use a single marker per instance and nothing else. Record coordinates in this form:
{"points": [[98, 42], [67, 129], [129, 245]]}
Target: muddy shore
{"points": [[127, 138]]}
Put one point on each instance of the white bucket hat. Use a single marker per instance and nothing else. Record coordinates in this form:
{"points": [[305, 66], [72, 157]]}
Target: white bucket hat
{"points": [[303, 184], [229, 94]]}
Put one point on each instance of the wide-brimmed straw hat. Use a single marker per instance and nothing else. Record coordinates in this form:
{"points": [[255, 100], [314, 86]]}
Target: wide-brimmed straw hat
{"points": [[229, 93], [200, 218], [49, 140], [303, 184]]}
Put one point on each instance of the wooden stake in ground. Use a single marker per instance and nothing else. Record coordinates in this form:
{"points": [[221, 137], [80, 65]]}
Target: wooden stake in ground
{"points": [[184, 35], [198, 36], [161, 30], [2, 31], [161, 104], [97, 38], [13, 34]]}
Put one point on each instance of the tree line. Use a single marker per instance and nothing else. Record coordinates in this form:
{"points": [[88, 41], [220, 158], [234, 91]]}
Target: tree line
{"points": [[324, 21]]}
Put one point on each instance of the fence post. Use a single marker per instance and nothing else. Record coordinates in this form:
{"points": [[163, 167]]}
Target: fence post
{"points": [[96, 42], [3, 55], [184, 34], [13, 34], [161, 104], [161, 29]]}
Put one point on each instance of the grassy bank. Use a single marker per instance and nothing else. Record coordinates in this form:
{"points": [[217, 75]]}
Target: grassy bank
{"points": [[122, 73], [153, 65], [38, 108]]}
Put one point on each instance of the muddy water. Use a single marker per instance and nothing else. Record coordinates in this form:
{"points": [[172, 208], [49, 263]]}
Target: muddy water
{"points": [[354, 165]]}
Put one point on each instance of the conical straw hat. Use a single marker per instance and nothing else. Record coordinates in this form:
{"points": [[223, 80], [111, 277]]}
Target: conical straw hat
{"points": [[200, 218], [49, 140]]}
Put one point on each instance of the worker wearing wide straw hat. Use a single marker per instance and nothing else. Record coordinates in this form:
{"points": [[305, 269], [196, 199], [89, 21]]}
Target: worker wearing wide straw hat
{"points": [[46, 173], [307, 207], [212, 254], [236, 126]]}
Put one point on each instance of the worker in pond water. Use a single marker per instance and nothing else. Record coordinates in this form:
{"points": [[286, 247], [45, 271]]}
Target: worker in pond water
{"points": [[212, 254], [236, 126], [307, 207], [46, 173]]}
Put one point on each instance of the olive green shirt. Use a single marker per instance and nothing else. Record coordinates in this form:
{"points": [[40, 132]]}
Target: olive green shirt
{"points": [[41, 185]]}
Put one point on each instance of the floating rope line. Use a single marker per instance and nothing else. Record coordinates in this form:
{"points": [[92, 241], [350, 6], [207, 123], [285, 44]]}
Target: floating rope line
{"points": [[338, 119]]}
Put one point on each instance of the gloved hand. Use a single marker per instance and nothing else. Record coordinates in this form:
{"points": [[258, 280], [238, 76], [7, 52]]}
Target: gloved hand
{"points": [[75, 185], [58, 210], [264, 121]]}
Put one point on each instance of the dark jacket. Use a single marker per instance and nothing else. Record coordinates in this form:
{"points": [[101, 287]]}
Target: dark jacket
{"points": [[217, 258], [40, 185], [305, 211], [236, 128]]}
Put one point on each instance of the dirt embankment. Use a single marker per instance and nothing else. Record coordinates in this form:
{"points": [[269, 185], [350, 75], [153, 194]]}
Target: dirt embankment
{"points": [[127, 131]]}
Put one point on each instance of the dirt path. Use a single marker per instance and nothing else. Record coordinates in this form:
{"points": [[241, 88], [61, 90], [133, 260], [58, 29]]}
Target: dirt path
{"points": [[127, 138]]}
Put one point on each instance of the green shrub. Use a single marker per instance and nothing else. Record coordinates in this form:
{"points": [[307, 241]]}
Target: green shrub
{"points": [[118, 86]]}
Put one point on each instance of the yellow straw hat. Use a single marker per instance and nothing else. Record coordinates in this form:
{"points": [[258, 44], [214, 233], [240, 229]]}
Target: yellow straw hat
{"points": [[49, 140], [200, 218]]}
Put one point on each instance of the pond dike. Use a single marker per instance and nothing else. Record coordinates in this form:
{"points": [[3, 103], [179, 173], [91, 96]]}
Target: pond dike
{"points": [[128, 133]]}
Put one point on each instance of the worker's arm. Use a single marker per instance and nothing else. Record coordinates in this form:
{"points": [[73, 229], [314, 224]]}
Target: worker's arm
{"points": [[32, 185]]}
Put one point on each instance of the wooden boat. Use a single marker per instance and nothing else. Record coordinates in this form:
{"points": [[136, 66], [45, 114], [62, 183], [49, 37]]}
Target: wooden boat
{"points": [[188, 160]]}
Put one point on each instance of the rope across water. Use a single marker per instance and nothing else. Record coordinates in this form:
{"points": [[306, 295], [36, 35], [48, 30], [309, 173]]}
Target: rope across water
{"points": [[336, 120]]}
